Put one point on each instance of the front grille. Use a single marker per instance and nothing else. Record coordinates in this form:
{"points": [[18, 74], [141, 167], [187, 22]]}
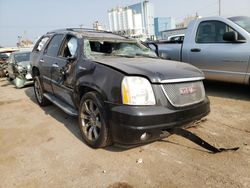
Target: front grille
{"points": [[185, 93]]}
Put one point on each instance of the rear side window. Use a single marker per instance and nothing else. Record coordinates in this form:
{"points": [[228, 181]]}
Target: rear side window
{"points": [[212, 32], [41, 43], [54, 45]]}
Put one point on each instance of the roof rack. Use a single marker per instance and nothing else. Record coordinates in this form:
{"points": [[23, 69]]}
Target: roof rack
{"points": [[78, 30], [85, 30]]}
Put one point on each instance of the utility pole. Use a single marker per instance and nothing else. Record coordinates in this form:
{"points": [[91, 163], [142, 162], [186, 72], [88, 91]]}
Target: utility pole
{"points": [[219, 7]]}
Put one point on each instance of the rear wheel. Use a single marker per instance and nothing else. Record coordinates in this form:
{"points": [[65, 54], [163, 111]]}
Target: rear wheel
{"points": [[38, 89], [93, 121]]}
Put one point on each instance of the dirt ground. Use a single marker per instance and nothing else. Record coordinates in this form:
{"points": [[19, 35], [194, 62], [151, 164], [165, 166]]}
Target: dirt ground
{"points": [[42, 147]]}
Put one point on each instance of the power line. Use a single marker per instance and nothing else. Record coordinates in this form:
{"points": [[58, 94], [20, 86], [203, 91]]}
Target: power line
{"points": [[219, 7]]}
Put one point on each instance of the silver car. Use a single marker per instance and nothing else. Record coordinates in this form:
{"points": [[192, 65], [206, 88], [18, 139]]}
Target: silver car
{"points": [[19, 69]]}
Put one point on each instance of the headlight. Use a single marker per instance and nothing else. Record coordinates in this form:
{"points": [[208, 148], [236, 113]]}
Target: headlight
{"points": [[137, 91]]}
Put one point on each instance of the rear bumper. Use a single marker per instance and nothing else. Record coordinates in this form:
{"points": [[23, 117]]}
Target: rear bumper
{"points": [[128, 123]]}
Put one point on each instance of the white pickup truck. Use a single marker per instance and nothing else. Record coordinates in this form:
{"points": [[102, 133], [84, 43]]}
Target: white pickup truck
{"points": [[219, 46]]}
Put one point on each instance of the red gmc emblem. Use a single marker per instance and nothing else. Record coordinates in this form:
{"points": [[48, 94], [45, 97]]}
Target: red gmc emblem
{"points": [[187, 90]]}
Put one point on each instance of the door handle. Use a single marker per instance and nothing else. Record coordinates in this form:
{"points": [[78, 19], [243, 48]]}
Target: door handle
{"points": [[41, 60], [55, 65], [82, 68], [195, 50]]}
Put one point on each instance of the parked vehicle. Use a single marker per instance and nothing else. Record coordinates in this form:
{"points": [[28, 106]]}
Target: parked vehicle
{"points": [[119, 89], [3, 59], [4, 56], [18, 69], [2, 69], [220, 47]]}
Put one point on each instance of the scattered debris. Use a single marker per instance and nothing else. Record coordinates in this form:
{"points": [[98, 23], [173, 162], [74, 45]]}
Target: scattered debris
{"points": [[200, 121], [120, 185], [138, 161]]}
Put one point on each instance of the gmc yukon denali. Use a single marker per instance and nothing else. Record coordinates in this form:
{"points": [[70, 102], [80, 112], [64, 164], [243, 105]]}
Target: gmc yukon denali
{"points": [[120, 91]]}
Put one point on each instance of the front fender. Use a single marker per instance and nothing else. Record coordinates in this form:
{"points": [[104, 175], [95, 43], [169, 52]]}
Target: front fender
{"points": [[102, 79]]}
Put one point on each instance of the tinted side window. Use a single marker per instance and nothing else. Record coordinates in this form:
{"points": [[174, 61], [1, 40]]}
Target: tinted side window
{"points": [[54, 45], [212, 32]]}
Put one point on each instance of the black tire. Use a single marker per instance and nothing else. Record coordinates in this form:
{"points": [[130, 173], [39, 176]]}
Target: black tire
{"points": [[10, 79], [38, 90], [93, 121]]}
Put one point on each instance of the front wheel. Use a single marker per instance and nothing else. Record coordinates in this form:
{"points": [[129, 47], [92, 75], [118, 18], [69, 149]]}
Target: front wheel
{"points": [[93, 121], [38, 89]]}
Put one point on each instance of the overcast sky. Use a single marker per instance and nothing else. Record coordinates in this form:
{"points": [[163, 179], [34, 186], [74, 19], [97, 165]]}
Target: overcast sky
{"points": [[32, 18]]}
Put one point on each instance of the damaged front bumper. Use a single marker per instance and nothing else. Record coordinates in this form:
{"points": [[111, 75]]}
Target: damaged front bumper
{"points": [[133, 125]]}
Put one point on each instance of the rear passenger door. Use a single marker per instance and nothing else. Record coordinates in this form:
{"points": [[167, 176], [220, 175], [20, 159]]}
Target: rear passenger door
{"points": [[63, 70], [50, 59]]}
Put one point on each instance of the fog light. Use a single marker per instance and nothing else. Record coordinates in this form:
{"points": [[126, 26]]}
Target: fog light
{"points": [[144, 136]]}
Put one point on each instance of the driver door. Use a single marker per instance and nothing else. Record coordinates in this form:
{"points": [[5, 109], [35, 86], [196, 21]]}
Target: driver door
{"points": [[218, 59]]}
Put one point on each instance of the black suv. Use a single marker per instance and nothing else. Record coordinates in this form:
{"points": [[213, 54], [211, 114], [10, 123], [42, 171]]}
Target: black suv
{"points": [[119, 89]]}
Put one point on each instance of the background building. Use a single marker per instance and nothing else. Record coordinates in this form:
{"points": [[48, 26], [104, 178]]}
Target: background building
{"points": [[97, 26], [146, 9], [162, 24], [186, 21], [167, 33], [135, 20], [180, 27]]}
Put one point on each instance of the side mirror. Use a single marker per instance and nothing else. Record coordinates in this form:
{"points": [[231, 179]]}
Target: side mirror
{"points": [[234, 37], [72, 58], [230, 36]]}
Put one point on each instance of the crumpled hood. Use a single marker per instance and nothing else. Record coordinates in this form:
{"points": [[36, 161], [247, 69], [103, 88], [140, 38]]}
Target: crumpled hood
{"points": [[156, 70]]}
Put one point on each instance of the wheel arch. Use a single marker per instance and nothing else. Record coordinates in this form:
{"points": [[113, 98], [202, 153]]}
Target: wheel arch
{"points": [[83, 89], [35, 72]]}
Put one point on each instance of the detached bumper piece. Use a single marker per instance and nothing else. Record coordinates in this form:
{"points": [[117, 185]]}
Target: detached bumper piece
{"points": [[197, 140]]}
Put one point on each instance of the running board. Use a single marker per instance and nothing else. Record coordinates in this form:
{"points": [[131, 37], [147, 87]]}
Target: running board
{"points": [[62, 105]]}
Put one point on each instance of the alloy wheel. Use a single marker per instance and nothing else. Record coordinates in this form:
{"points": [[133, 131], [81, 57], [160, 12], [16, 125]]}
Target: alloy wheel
{"points": [[91, 120], [38, 90]]}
